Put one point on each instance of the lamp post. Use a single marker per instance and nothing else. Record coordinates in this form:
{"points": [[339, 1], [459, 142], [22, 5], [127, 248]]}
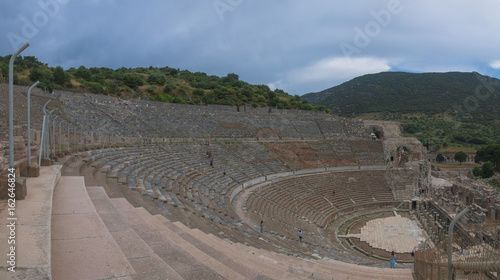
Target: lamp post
{"points": [[48, 140], [60, 136], [54, 136], [43, 134], [29, 121], [82, 140], [69, 137], [11, 104], [74, 138]]}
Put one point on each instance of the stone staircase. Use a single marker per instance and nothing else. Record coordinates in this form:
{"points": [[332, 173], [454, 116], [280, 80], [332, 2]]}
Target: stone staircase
{"points": [[75, 232], [96, 237]]}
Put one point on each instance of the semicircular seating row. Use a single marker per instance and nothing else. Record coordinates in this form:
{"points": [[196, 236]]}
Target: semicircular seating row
{"points": [[316, 197], [180, 175]]}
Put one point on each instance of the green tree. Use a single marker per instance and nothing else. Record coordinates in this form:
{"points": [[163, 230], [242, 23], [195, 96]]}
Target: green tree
{"points": [[460, 156], [35, 75], [83, 73], [477, 171], [60, 76], [156, 79], [133, 80], [489, 153], [488, 169], [198, 92]]}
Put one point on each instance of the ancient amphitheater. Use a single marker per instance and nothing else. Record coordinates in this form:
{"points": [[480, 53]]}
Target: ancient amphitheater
{"points": [[132, 189]]}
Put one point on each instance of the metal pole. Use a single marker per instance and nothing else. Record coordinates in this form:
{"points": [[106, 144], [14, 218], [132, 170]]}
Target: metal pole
{"points": [[29, 128], [69, 136], [74, 139], [54, 136], [11, 104], [43, 132], [60, 136], [47, 141], [48, 149], [450, 235]]}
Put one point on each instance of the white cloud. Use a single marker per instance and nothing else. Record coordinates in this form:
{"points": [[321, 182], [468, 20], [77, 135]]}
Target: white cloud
{"points": [[495, 64], [339, 68], [275, 85]]}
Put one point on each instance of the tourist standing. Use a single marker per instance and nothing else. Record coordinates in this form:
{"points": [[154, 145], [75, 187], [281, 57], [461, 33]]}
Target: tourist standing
{"points": [[300, 235], [393, 260], [261, 226]]}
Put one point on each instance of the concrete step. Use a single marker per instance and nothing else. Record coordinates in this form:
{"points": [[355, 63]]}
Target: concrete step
{"points": [[33, 228], [146, 263], [82, 246], [259, 267], [317, 269], [187, 260]]}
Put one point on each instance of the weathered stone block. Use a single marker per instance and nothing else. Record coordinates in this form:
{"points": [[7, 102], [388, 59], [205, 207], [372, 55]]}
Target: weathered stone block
{"points": [[45, 162], [30, 171], [21, 190]]}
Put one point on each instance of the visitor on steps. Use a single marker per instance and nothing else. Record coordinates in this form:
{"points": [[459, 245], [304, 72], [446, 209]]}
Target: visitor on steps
{"points": [[261, 226], [300, 235], [393, 260]]}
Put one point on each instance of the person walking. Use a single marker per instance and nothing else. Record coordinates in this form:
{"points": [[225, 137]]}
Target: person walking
{"points": [[300, 235], [261, 226], [393, 260]]}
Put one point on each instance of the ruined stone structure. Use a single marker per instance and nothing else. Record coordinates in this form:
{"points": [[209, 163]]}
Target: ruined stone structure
{"points": [[197, 164], [334, 141]]}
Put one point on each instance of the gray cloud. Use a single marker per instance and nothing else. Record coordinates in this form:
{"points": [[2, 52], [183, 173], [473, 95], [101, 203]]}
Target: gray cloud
{"points": [[295, 45]]}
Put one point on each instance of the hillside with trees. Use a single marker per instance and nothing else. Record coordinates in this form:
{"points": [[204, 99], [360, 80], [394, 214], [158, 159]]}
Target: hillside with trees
{"points": [[443, 110], [164, 84]]}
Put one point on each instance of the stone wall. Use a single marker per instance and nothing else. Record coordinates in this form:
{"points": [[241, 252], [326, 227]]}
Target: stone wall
{"points": [[333, 141]]}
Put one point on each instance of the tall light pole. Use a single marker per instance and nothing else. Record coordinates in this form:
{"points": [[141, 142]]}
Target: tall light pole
{"points": [[60, 138], [29, 121], [11, 104], [54, 135], [43, 134], [74, 138], [69, 137]]}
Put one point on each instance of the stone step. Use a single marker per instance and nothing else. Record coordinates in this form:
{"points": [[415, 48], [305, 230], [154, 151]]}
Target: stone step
{"points": [[33, 228], [187, 260], [82, 246], [146, 263], [269, 266], [241, 263], [305, 267], [330, 267]]}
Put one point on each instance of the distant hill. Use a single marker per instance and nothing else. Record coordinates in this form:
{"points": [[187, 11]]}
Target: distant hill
{"points": [[440, 108], [164, 84], [400, 92]]}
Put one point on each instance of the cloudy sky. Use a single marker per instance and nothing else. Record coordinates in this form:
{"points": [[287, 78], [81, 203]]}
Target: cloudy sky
{"points": [[296, 45]]}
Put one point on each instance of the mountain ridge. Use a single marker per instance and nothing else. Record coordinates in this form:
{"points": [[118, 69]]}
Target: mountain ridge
{"points": [[440, 109], [366, 94]]}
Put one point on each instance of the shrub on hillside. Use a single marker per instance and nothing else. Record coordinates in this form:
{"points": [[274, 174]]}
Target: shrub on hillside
{"points": [[477, 171], [156, 79], [133, 80]]}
